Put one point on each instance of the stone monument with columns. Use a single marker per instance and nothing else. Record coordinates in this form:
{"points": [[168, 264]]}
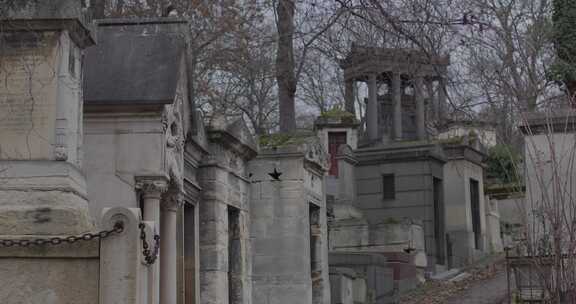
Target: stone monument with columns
{"points": [[410, 80], [398, 168]]}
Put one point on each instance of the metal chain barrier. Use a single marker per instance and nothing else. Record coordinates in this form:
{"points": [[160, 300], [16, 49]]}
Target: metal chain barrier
{"points": [[150, 256], [118, 228]]}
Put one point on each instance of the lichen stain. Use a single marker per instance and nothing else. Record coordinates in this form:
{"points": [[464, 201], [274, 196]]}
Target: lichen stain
{"points": [[42, 215]]}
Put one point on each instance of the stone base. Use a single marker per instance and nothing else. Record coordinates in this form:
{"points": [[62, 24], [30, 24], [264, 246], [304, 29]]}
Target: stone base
{"points": [[66, 273], [43, 213], [42, 198], [34, 281]]}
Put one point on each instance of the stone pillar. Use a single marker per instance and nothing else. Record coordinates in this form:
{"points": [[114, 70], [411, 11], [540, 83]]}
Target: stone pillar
{"points": [[397, 115], [152, 188], [298, 274], [121, 264], [431, 99], [372, 109], [168, 250], [420, 108], [442, 98], [349, 93]]}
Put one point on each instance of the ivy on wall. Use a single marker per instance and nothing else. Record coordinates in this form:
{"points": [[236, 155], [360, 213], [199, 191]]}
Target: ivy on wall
{"points": [[503, 162]]}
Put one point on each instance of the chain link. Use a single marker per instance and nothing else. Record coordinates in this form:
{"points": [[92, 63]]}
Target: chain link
{"points": [[118, 228], [150, 256]]}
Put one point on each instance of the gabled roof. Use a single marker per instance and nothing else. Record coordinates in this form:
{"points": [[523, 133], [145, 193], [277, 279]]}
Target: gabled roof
{"points": [[134, 62]]}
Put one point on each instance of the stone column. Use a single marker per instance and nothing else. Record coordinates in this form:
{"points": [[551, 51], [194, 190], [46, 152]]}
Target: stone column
{"points": [[168, 250], [372, 109], [349, 93], [397, 115], [152, 188], [420, 107], [431, 100], [442, 106]]}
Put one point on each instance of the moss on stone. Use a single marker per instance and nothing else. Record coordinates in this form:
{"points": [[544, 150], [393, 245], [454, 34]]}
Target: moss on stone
{"points": [[337, 113], [284, 139], [453, 140], [391, 221]]}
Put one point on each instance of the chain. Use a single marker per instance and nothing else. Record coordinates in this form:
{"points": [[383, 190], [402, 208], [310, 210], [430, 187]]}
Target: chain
{"points": [[150, 256], [118, 228]]}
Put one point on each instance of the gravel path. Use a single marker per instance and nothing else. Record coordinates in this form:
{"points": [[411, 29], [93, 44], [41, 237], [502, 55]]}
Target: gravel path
{"points": [[490, 291], [486, 285]]}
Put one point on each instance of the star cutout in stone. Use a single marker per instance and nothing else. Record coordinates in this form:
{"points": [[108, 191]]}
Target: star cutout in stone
{"points": [[275, 175]]}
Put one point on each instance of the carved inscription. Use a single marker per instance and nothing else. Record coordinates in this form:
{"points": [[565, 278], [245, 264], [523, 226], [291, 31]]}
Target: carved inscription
{"points": [[21, 115], [28, 81]]}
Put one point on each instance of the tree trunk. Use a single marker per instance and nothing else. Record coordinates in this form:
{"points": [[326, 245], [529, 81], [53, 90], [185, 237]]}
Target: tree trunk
{"points": [[285, 65], [97, 7]]}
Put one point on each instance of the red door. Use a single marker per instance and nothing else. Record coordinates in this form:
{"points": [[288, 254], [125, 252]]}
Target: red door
{"points": [[335, 139]]}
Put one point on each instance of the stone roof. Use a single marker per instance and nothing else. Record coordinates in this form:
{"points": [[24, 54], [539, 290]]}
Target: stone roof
{"points": [[364, 60], [475, 123], [403, 55], [235, 135], [554, 121], [134, 63]]}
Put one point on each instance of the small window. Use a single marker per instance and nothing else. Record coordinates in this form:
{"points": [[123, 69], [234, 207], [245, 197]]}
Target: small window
{"points": [[388, 187]]}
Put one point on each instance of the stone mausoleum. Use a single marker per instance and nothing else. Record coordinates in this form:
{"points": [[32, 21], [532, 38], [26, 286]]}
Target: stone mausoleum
{"points": [[113, 190], [404, 203]]}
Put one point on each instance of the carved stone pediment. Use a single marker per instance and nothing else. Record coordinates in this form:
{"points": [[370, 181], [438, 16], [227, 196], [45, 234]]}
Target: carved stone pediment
{"points": [[175, 128], [314, 152], [235, 136], [309, 145]]}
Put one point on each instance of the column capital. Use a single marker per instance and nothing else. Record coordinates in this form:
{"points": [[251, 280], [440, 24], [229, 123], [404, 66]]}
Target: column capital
{"points": [[151, 186], [172, 201]]}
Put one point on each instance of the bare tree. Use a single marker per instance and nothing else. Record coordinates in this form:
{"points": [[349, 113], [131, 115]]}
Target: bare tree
{"points": [[315, 18], [248, 72], [501, 51]]}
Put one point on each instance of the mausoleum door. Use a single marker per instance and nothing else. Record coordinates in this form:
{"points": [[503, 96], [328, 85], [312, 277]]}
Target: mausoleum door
{"points": [[335, 139]]}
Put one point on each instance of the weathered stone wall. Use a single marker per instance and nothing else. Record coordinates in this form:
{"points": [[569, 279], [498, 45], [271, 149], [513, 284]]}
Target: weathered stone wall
{"points": [[42, 104], [39, 124], [49, 279], [375, 284], [118, 148], [548, 172], [414, 197], [225, 249], [342, 286], [288, 229], [457, 176]]}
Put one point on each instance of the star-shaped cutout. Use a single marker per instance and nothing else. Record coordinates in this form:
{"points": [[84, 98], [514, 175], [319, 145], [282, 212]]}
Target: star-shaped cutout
{"points": [[275, 175]]}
